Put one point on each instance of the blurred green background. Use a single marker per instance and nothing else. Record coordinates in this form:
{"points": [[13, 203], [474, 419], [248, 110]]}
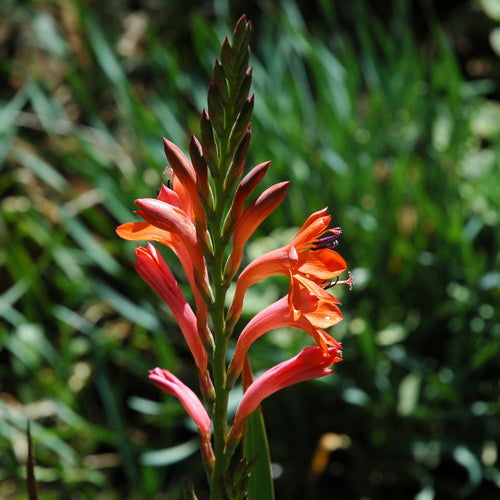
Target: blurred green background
{"points": [[385, 111]]}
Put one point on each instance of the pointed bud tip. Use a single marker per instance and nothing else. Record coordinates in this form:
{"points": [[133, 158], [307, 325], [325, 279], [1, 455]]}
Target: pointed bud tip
{"points": [[240, 21], [168, 146]]}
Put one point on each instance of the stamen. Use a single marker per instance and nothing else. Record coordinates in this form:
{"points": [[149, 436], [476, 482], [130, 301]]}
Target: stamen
{"points": [[329, 285], [349, 282], [328, 241]]}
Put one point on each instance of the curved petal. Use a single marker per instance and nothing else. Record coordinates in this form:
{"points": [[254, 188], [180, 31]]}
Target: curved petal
{"points": [[310, 363], [169, 383], [315, 224], [250, 220], [316, 304], [323, 264], [155, 271], [277, 315]]}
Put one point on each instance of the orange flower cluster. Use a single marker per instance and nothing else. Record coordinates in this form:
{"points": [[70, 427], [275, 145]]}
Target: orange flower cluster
{"points": [[308, 260]]}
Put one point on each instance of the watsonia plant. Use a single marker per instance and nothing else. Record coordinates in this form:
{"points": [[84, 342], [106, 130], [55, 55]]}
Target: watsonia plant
{"points": [[203, 216]]}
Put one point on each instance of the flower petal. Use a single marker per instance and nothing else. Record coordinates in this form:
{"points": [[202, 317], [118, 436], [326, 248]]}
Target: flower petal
{"points": [[313, 302], [315, 224], [310, 363], [321, 264], [250, 220], [276, 315], [155, 271], [169, 383]]}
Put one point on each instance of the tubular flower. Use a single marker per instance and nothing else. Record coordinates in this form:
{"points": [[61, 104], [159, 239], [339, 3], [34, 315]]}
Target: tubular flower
{"points": [[185, 172], [170, 384], [174, 220], [155, 271], [308, 255], [146, 231], [250, 220], [302, 309], [310, 363]]}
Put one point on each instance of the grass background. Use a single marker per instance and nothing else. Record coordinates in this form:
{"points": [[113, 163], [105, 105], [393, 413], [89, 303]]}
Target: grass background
{"points": [[385, 111]]}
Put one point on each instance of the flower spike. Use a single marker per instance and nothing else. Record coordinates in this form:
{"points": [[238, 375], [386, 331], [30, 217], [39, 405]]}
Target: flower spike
{"points": [[204, 214]]}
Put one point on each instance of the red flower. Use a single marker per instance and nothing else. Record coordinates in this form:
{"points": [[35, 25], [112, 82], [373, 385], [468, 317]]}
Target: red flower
{"points": [[310, 363], [176, 219], [169, 220], [155, 271], [309, 308], [170, 384]]}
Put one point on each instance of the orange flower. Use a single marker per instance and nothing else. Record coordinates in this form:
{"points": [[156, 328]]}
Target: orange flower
{"points": [[178, 222], [308, 255], [250, 220], [310, 363], [169, 220], [307, 310], [145, 231]]}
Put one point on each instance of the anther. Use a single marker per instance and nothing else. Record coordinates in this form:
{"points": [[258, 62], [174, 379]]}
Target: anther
{"points": [[328, 241]]}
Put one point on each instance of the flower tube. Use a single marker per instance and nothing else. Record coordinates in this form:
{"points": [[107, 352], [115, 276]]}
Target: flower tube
{"points": [[169, 383], [310, 363], [155, 271], [306, 311], [309, 255]]}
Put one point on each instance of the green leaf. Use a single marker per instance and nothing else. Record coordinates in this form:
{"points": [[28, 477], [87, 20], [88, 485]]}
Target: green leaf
{"points": [[169, 456], [255, 445]]}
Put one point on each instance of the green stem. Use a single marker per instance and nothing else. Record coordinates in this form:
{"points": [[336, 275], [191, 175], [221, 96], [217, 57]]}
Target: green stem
{"points": [[218, 319]]}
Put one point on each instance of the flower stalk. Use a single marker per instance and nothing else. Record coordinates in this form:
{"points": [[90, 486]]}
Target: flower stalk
{"points": [[205, 218]]}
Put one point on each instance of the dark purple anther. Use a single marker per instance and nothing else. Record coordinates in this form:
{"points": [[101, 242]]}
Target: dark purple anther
{"points": [[328, 241]]}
